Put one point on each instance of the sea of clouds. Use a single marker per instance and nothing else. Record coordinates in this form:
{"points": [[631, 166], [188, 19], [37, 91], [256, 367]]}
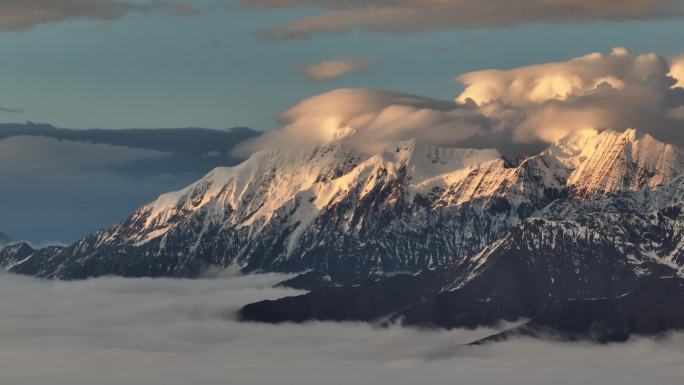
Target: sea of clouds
{"points": [[166, 331]]}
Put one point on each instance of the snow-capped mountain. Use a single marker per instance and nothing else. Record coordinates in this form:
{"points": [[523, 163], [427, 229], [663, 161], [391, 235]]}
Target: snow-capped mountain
{"points": [[347, 216], [612, 161], [541, 269]]}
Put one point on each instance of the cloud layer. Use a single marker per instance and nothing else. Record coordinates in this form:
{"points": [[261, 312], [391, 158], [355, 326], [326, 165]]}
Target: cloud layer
{"points": [[59, 184], [334, 68], [164, 331], [25, 14], [60, 190], [407, 16], [10, 110], [513, 110]]}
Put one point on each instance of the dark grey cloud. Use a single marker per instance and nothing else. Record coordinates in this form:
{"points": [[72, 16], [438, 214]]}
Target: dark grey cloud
{"points": [[190, 146], [60, 184], [409, 16], [25, 14], [61, 190], [9, 110], [178, 332]]}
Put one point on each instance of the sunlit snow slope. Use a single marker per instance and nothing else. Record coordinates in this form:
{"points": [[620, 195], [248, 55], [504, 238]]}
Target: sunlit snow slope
{"points": [[342, 214]]}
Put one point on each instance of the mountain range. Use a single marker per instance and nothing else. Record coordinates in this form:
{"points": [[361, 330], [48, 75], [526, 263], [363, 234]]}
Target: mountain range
{"points": [[422, 234]]}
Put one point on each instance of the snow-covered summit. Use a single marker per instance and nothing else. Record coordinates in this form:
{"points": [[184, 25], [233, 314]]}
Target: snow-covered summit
{"points": [[268, 180], [305, 183], [411, 206], [610, 161], [428, 161]]}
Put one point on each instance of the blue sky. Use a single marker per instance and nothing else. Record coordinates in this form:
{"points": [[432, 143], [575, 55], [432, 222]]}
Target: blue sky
{"points": [[210, 70]]}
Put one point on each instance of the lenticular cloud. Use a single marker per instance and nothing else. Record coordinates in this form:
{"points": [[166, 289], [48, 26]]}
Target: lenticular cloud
{"points": [[499, 108]]}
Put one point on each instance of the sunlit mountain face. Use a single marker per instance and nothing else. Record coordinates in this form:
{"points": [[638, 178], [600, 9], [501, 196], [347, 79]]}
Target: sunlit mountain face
{"points": [[413, 206], [430, 190]]}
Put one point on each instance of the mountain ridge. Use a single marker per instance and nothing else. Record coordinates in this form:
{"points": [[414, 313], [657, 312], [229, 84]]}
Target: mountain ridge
{"points": [[352, 216], [525, 275], [423, 235]]}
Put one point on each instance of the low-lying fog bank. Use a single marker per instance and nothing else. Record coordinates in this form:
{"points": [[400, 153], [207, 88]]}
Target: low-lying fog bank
{"points": [[164, 331]]}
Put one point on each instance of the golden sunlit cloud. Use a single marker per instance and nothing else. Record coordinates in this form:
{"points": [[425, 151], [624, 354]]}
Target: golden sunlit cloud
{"points": [[498, 108], [334, 68]]}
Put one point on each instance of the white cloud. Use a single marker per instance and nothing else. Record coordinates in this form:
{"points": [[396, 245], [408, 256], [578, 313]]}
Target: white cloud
{"points": [[334, 68], [114, 331], [562, 80], [498, 108], [617, 90], [408, 16]]}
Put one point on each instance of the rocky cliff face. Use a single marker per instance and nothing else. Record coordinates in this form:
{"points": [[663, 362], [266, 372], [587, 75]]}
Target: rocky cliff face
{"points": [[538, 271], [611, 161]]}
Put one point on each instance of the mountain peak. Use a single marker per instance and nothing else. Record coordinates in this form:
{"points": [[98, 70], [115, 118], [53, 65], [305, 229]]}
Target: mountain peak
{"points": [[582, 142], [428, 160], [606, 161], [409, 206]]}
